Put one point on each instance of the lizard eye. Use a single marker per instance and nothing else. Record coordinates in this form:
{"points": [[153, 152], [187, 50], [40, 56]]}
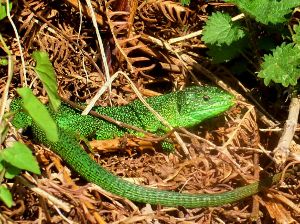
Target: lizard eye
{"points": [[206, 98]]}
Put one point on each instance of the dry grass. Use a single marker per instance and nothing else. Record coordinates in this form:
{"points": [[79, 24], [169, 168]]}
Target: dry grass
{"points": [[229, 155]]}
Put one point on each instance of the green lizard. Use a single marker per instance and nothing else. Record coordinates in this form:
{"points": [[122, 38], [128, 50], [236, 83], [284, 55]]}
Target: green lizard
{"points": [[181, 109]]}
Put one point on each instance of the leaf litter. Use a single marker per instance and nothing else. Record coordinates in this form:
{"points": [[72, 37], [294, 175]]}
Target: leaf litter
{"points": [[222, 150]]}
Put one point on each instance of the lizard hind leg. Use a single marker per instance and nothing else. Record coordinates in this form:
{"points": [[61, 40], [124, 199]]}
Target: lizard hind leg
{"points": [[109, 131], [167, 146]]}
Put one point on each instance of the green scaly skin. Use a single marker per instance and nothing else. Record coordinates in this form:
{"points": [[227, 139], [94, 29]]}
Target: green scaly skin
{"points": [[181, 109]]}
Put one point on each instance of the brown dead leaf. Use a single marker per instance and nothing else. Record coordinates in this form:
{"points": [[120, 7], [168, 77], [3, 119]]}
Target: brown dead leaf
{"points": [[278, 212], [111, 145]]}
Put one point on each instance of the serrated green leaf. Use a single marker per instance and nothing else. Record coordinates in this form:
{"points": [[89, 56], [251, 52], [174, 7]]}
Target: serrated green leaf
{"points": [[39, 113], [20, 156], [46, 73], [282, 66], [6, 196], [3, 12], [220, 30], [296, 35], [267, 11], [11, 172]]}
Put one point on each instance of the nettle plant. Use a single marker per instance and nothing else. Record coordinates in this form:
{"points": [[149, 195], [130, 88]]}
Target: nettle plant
{"points": [[262, 26]]}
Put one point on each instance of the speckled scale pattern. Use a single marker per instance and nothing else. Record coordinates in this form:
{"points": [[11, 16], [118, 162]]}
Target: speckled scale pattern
{"points": [[172, 107], [71, 152], [181, 109], [135, 114]]}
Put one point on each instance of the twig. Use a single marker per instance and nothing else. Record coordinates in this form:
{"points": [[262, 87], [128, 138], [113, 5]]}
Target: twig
{"points": [[53, 200], [188, 36], [102, 51], [274, 129], [18, 41], [282, 150], [212, 145], [63, 217], [9, 77], [199, 32]]}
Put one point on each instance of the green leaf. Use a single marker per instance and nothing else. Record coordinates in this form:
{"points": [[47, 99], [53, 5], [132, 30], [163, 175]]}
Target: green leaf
{"points": [[282, 66], [6, 196], [296, 35], [46, 73], [39, 113], [185, 2], [1, 164], [20, 156], [3, 12], [11, 172], [3, 61], [220, 30], [267, 11]]}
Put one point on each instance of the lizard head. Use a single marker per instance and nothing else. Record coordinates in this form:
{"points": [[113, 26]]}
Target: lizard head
{"points": [[196, 104], [21, 119]]}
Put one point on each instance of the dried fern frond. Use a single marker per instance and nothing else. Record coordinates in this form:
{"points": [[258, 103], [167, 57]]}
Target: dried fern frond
{"points": [[126, 41], [246, 132], [172, 11]]}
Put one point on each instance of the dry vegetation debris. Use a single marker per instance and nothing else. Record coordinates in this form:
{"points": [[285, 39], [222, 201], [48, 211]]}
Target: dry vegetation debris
{"points": [[225, 153]]}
